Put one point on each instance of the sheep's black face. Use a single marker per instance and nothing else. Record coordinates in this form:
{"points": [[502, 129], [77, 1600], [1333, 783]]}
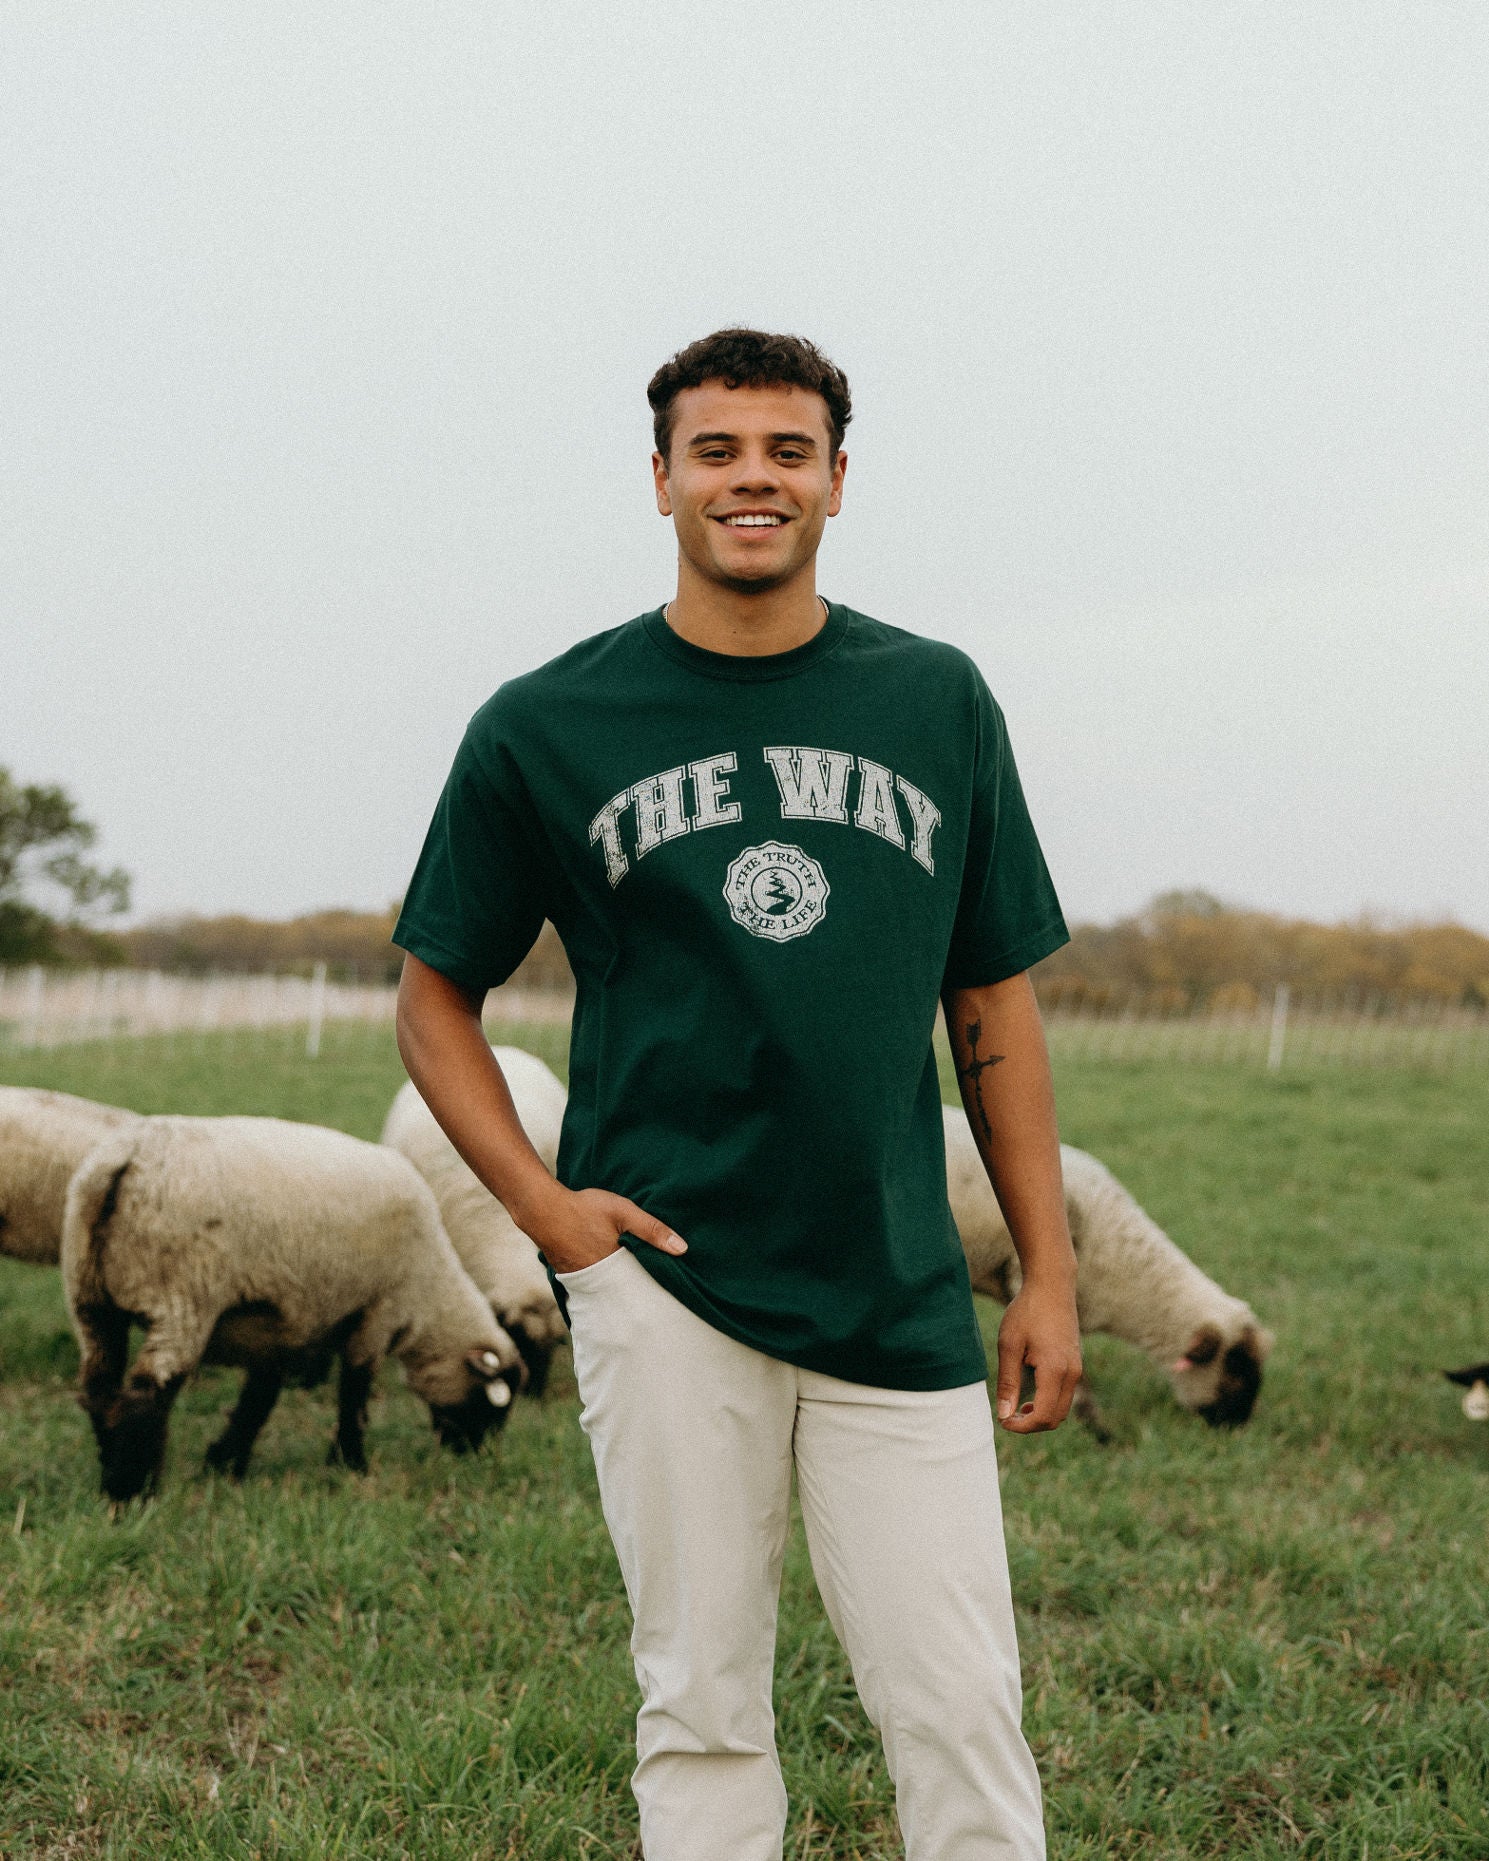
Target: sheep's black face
{"points": [[131, 1438], [463, 1426], [1236, 1391]]}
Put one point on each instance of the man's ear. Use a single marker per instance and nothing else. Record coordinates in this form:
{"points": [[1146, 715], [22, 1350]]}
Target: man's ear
{"points": [[835, 496], [659, 478]]}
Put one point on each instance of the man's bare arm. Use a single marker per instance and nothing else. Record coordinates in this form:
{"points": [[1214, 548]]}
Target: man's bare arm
{"points": [[445, 1050], [1003, 1069]]}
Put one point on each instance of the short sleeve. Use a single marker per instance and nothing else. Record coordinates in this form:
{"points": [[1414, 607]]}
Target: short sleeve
{"points": [[1008, 916], [478, 896]]}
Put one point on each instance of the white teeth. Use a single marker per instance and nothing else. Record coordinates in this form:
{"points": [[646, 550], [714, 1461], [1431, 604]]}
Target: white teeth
{"points": [[754, 523]]}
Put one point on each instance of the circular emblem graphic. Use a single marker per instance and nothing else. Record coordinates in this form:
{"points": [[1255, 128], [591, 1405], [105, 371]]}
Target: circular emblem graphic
{"points": [[776, 891]]}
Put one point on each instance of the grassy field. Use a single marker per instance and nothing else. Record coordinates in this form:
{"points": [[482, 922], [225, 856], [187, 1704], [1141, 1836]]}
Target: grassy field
{"points": [[1268, 1643]]}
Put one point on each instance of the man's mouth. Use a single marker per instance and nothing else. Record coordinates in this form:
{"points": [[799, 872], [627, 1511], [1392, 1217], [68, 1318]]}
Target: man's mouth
{"points": [[753, 520]]}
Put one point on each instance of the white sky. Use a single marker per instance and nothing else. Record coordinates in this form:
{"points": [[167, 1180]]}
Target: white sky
{"points": [[327, 330]]}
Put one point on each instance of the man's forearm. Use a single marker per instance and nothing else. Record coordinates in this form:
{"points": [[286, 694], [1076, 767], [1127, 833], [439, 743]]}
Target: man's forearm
{"points": [[1003, 1069], [445, 1050]]}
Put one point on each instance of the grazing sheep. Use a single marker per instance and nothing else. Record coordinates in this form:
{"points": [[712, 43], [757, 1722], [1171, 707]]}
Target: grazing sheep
{"points": [[44, 1136], [1475, 1381], [492, 1248], [267, 1245], [1132, 1280]]}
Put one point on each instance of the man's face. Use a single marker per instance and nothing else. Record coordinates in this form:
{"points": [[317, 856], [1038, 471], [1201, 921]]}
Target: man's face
{"points": [[750, 482]]}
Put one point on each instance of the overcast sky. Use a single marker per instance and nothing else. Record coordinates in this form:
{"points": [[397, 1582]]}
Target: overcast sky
{"points": [[327, 330]]}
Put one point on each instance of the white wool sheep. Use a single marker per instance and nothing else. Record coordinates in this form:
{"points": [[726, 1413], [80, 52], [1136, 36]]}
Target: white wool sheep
{"points": [[44, 1136], [267, 1245], [1131, 1281], [495, 1252]]}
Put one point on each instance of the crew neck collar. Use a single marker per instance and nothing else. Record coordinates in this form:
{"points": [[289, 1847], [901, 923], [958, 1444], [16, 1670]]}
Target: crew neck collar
{"points": [[747, 668]]}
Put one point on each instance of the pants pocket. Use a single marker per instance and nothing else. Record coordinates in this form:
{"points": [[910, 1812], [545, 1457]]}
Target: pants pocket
{"points": [[582, 1278]]}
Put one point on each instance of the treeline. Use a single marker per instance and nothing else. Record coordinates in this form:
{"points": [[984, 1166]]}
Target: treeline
{"points": [[354, 946], [1189, 950], [1186, 950]]}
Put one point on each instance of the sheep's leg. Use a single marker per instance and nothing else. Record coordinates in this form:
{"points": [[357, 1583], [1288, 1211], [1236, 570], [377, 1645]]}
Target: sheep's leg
{"points": [[232, 1448], [352, 1394], [1085, 1409], [536, 1354]]}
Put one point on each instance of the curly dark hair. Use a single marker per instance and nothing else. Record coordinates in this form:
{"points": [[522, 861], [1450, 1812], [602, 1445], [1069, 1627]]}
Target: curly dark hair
{"points": [[749, 359]]}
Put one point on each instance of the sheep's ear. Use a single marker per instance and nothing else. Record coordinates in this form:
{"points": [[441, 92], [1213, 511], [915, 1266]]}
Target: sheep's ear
{"points": [[1203, 1348]]}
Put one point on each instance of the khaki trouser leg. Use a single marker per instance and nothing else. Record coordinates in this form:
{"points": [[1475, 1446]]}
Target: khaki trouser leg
{"points": [[899, 1494], [691, 1434]]}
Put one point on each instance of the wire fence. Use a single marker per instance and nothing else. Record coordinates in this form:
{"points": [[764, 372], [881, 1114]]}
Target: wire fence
{"points": [[53, 1008], [48, 1008], [1289, 1030]]}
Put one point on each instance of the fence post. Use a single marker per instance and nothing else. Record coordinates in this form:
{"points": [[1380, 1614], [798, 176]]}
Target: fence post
{"points": [[1279, 1028], [36, 983], [107, 1010], [89, 1016], [317, 1011]]}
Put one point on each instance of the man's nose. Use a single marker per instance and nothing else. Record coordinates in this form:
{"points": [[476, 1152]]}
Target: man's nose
{"points": [[756, 472]]}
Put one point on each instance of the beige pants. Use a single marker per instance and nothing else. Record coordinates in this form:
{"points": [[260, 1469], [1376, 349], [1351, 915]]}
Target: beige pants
{"points": [[694, 1439]]}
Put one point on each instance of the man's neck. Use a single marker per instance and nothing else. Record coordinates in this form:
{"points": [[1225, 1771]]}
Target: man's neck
{"points": [[724, 620]]}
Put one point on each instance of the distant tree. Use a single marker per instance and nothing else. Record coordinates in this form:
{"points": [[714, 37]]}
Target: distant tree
{"points": [[47, 888], [1192, 903]]}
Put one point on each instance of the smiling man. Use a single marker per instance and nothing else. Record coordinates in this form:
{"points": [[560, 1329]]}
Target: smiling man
{"points": [[772, 833]]}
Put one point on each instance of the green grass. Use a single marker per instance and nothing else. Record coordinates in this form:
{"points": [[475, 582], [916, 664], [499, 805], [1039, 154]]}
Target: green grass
{"points": [[1271, 1643]]}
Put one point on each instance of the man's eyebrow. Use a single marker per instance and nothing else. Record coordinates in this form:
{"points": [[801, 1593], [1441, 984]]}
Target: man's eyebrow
{"points": [[776, 439]]}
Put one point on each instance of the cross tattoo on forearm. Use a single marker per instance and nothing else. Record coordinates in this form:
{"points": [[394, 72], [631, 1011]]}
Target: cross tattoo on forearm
{"points": [[973, 1071]]}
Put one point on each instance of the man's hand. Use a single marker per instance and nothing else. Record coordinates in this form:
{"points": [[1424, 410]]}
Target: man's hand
{"points": [[1039, 1329], [577, 1227]]}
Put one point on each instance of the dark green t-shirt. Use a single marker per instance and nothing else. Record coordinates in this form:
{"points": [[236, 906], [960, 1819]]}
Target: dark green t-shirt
{"points": [[764, 871]]}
